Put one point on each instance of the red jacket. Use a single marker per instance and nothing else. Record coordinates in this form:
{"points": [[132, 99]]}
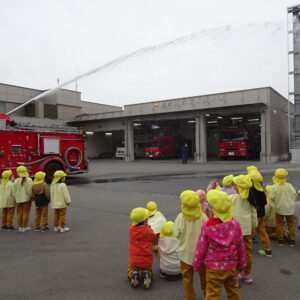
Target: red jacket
{"points": [[140, 251]]}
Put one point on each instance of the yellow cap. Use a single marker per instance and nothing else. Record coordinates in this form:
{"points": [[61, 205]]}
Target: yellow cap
{"points": [[280, 176], [251, 168], [243, 183], [167, 230], [152, 207], [257, 179], [139, 215], [227, 180], [39, 177], [22, 171], [57, 175], [5, 176], [221, 205], [190, 206]]}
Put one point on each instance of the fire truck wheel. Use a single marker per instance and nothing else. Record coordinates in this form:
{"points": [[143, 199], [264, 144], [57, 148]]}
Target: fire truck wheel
{"points": [[50, 169]]}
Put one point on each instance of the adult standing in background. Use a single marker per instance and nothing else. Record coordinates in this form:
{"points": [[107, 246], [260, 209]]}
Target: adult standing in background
{"points": [[185, 153]]}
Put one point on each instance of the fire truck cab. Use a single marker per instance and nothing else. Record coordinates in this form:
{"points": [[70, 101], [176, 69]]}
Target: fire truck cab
{"points": [[161, 147], [237, 142], [39, 148]]}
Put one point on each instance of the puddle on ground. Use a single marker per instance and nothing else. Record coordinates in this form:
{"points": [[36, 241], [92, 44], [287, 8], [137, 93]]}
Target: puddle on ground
{"points": [[285, 272], [77, 180]]}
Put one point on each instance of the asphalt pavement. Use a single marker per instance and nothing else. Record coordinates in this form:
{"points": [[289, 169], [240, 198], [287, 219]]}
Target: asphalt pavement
{"points": [[90, 261]]}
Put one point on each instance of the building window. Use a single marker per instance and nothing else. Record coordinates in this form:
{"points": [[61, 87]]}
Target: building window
{"points": [[50, 111], [2, 107], [30, 110]]}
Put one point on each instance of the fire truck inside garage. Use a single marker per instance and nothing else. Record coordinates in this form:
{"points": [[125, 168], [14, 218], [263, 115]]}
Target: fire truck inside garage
{"points": [[228, 137]]}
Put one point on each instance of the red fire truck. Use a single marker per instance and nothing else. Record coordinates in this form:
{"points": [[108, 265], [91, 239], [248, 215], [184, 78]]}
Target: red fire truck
{"points": [[162, 147], [237, 142], [44, 148]]}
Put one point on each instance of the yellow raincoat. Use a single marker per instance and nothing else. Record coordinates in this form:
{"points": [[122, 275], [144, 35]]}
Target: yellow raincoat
{"points": [[7, 195], [244, 213], [23, 192], [284, 197], [59, 195]]}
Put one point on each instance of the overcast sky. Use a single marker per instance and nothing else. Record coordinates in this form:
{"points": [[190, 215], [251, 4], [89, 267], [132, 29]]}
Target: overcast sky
{"points": [[226, 45]]}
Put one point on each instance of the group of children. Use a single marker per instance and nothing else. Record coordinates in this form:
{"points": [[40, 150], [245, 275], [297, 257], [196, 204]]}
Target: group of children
{"points": [[213, 233], [20, 193]]}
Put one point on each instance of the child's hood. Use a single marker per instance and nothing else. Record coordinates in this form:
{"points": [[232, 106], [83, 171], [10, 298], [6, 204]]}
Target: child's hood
{"points": [[168, 245], [224, 233], [138, 232]]}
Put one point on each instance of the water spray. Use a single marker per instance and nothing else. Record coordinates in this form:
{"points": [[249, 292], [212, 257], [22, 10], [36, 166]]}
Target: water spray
{"points": [[142, 51]]}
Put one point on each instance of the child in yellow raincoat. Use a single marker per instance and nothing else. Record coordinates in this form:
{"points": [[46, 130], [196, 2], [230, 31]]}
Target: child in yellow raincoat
{"points": [[41, 194], [245, 213], [156, 221], [270, 219], [187, 228], [259, 198], [7, 200], [169, 263], [23, 192], [60, 199], [283, 195]]}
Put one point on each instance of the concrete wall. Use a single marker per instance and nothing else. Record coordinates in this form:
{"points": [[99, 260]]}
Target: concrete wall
{"points": [[92, 108], [11, 106], [67, 113], [278, 112], [238, 98], [69, 104], [16, 94], [104, 125]]}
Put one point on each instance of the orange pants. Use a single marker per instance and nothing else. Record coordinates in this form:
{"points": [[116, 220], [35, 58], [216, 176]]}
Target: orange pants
{"points": [[8, 216], [248, 248], [263, 233], [23, 211], [290, 220], [155, 243], [215, 279], [60, 217], [271, 231], [187, 273], [139, 269], [41, 214]]}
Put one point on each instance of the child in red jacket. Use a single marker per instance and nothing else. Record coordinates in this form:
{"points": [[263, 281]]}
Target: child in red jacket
{"points": [[140, 255]]}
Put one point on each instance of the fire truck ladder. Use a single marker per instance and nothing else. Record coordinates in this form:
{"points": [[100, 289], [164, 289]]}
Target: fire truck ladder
{"points": [[46, 128]]}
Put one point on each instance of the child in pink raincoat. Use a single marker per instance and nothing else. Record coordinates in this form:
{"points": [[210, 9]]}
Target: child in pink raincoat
{"points": [[220, 248]]}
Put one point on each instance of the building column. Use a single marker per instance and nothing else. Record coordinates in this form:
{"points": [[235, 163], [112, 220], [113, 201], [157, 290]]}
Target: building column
{"points": [[263, 137], [39, 110], [200, 139], [265, 152], [129, 141]]}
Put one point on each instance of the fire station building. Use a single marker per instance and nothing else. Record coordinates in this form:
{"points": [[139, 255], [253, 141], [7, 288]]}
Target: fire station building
{"points": [[200, 121]]}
